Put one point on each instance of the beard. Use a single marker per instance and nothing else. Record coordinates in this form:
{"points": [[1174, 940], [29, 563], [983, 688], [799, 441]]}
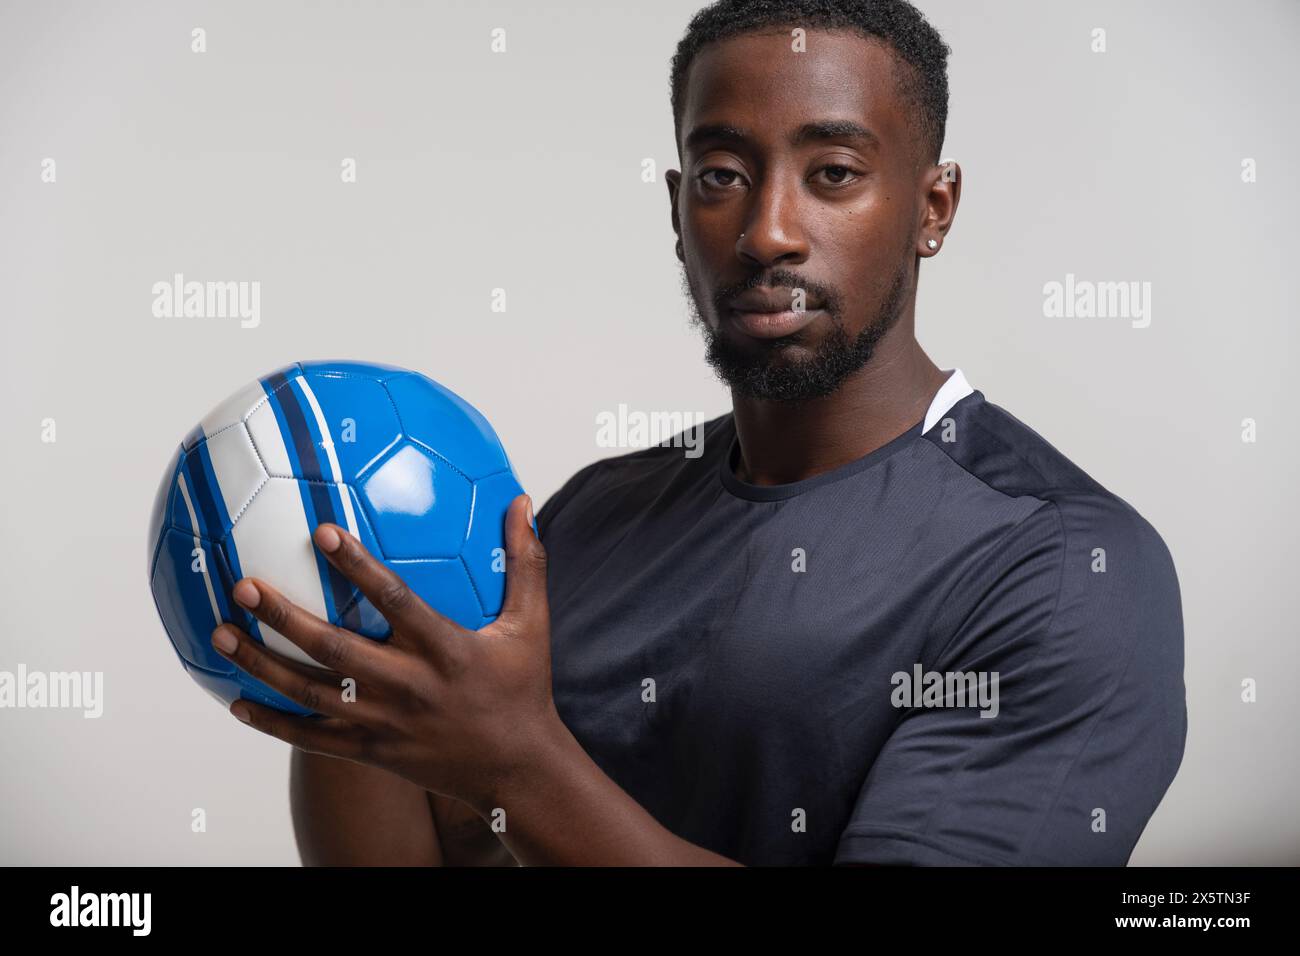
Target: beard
{"points": [[762, 369]]}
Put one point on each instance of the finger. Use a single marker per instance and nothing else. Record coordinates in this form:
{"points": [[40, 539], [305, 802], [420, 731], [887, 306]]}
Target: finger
{"points": [[525, 608], [401, 607], [314, 735], [332, 647], [314, 688]]}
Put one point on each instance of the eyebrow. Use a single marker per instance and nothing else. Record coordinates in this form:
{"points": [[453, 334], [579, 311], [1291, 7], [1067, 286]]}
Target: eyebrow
{"points": [[819, 130]]}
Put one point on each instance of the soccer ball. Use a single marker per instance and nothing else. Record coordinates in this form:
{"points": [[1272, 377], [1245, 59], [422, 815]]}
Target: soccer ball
{"points": [[407, 466]]}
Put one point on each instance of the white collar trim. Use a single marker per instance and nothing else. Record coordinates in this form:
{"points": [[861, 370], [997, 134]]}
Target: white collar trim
{"points": [[950, 393]]}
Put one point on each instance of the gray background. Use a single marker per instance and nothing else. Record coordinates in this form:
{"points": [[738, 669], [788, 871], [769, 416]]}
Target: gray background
{"points": [[522, 171]]}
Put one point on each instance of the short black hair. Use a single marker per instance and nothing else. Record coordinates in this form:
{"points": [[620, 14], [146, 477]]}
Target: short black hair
{"points": [[896, 22]]}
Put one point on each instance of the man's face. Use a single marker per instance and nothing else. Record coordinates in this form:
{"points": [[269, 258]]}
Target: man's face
{"points": [[832, 212]]}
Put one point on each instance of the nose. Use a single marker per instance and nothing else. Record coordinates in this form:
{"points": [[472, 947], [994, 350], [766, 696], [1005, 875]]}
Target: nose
{"points": [[773, 234]]}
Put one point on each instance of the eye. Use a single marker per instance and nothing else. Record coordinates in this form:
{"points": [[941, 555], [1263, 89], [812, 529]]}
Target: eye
{"points": [[720, 171], [840, 175]]}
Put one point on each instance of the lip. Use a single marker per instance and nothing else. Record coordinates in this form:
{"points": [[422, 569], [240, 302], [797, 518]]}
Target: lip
{"points": [[772, 325]]}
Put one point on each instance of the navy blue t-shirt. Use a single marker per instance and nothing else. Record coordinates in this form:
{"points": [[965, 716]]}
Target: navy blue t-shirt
{"points": [[773, 671]]}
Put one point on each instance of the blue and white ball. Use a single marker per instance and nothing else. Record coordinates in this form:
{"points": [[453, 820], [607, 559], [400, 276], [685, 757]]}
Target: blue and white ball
{"points": [[410, 468]]}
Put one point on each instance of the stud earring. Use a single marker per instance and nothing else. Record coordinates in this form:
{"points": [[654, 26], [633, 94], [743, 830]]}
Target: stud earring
{"points": [[932, 243]]}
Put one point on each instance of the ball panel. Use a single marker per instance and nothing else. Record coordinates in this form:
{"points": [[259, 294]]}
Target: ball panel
{"points": [[232, 471], [309, 446], [484, 551], [192, 437], [272, 541], [197, 504], [358, 419], [358, 614], [447, 425], [287, 439], [362, 618], [234, 409], [417, 504], [445, 586], [376, 371], [191, 593], [264, 430], [160, 513]]}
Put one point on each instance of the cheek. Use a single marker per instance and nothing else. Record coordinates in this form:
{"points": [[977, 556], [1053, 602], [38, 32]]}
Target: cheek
{"points": [[874, 224], [860, 265], [714, 240], [865, 248]]}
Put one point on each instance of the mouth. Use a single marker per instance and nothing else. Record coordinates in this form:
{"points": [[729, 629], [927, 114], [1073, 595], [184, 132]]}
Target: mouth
{"points": [[771, 325]]}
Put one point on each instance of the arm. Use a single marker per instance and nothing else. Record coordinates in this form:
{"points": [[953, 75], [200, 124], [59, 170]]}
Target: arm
{"points": [[466, 713], [562, 810], [405, 825], [400, 823], [465, 838], [1088, 717]]}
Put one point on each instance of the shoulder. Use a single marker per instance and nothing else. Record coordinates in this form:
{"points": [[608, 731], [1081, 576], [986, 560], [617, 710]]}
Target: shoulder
{"points": [[1092, 564], [637, 474], [1011, 459]]}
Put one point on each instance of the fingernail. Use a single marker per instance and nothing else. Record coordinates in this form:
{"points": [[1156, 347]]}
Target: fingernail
{"points": [[225, 641], [246, 594], [240, 711], [529, 512], [328, 539]]}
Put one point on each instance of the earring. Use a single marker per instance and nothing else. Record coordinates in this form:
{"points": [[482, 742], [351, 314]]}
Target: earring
{"points": [[931, 243]]}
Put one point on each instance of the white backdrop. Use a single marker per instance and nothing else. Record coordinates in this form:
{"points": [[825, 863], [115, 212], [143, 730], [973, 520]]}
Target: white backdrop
{"points": [[523, 171]]}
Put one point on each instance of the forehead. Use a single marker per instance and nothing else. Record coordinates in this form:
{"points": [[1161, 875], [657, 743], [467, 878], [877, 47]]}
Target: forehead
{"points": [[757, 81]]}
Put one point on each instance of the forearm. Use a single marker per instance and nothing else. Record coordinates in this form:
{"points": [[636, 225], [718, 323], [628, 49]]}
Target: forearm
{"points": [[347, 814], [563, 810]]}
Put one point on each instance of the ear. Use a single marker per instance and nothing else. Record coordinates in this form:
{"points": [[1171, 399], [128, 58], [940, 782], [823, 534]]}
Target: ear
{"points": [[941, 186]]}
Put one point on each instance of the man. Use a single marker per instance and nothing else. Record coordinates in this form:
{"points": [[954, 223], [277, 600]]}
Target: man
{"points": [[766, 650]]}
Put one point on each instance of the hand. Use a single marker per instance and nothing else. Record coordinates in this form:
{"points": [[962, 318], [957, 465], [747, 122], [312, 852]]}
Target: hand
{"points": [[461, 713]]}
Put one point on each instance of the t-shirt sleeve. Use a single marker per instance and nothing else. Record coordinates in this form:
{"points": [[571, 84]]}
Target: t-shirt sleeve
{"points": [[1078, 615], [555, 504]]}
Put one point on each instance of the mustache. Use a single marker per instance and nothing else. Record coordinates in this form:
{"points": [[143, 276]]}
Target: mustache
{"points": [[779, 279]]}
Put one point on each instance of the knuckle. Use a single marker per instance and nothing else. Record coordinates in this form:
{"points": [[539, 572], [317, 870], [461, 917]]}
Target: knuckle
{"points": [[354, 556], [336, 653], [394, 596], [537, 557], [400, 691], [309, 696], [455, 661], [413, 695], [277, 615], [532, 558], [406, 698]]}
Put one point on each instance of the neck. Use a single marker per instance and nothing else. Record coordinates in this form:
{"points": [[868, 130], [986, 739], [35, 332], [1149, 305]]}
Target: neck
{"points": [[782, 442]]}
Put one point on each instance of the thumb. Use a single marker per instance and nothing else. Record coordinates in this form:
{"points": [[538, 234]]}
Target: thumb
{"points": [[525, 607]]}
